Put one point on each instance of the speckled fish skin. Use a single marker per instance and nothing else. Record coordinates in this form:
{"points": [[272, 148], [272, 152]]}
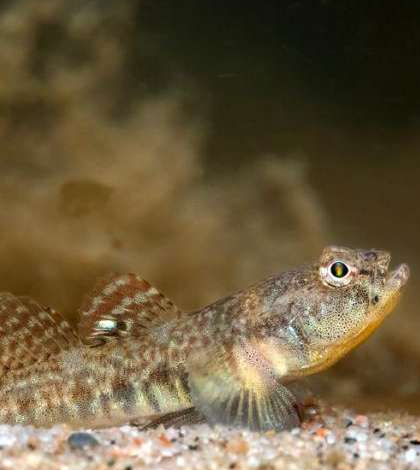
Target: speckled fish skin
{"points": [[136, 355]]}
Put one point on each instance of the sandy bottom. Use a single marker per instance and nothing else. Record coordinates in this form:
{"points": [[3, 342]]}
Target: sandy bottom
{"points": [[343, 440]]}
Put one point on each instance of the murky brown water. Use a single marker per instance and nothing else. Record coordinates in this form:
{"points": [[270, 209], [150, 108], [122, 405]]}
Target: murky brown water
{"points": [[206, 146]]}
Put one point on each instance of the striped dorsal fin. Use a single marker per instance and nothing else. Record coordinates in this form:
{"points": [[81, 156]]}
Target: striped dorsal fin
{"points": [[30, 332], [123, 306]]}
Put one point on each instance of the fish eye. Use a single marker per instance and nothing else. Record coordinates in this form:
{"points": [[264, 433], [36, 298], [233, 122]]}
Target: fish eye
{"points": [[339, 270], [337, 273]]}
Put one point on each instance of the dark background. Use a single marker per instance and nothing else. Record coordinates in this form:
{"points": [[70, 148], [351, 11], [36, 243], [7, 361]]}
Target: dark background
{"points": [[335, 81], [208, 144]]}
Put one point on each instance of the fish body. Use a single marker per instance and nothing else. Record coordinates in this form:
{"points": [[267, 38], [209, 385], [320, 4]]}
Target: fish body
{"points": [[135, 355]]}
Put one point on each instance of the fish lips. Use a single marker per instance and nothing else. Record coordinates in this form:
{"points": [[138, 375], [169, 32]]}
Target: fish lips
{"points": [[398, 277]]}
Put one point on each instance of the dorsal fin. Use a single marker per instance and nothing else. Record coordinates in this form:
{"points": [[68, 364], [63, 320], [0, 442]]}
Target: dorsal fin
{"points": [[30, 333], [123, 305]]}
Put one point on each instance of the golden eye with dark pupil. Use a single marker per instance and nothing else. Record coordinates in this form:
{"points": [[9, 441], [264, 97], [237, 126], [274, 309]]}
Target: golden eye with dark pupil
{"points": [[339, 269]]}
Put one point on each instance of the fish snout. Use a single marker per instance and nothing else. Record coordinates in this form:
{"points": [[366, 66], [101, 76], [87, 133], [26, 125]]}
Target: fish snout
{"points": [[380, 258]]}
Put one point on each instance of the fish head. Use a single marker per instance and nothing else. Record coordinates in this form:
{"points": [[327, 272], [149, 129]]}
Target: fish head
{"points": [[335, 304]]}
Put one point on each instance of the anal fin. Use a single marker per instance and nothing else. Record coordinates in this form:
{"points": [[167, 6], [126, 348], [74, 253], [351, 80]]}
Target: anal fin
{"points": [[233, 385]]}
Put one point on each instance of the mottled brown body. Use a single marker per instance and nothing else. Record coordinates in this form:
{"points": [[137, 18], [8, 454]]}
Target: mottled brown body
{"points": [[135, 355]]}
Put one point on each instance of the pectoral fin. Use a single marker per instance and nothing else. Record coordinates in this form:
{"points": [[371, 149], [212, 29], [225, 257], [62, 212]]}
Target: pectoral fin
{"points": [[236, 386]]}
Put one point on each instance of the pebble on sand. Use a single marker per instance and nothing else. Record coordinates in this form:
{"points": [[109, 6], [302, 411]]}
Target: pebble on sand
{"points": [[81, 440]]}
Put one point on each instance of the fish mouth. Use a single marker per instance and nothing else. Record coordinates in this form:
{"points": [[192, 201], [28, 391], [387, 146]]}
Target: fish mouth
{"points": [[398, 277], [395, 281]]}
